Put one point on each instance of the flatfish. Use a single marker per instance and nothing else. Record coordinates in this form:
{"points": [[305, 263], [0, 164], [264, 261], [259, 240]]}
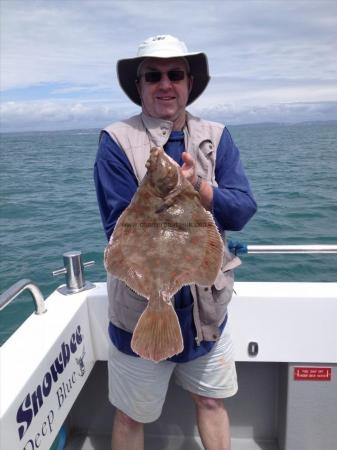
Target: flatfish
{"points": [[163, 240]]}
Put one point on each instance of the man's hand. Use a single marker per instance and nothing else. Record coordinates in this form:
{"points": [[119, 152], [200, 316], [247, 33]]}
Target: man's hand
{"points": [[188, 168], [189, 172]]}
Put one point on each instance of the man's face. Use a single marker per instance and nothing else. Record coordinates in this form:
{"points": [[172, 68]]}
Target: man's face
{"points": [[164, 99]]}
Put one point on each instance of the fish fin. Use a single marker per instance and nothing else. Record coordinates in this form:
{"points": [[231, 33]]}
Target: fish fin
{"points": [[157, 335], [206, 272]]}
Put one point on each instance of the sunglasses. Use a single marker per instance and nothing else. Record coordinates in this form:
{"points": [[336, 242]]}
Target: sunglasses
{"points": [[155, 76]]}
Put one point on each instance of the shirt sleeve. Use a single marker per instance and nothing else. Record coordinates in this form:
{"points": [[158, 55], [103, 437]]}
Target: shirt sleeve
{"points": [[115, 182], [233, 200]]}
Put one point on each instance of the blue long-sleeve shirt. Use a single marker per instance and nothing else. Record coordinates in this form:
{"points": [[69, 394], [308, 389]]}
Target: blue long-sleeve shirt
{"points": [[233, 206]]}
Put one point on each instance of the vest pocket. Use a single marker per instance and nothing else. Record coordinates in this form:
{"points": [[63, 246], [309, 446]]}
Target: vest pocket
{"points": [[125, 305], [134, 300], [206, 161], [222, 288]]}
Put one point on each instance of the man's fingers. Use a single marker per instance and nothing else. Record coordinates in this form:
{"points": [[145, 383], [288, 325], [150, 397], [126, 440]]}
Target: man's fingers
{"points": [[188, 168], [188, 160]]}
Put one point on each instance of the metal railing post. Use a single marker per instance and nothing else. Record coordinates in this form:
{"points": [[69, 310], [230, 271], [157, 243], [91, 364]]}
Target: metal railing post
{"points": [[12, 292]]}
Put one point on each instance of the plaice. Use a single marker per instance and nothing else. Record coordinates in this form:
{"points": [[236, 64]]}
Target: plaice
{"points": [[163, 240]]}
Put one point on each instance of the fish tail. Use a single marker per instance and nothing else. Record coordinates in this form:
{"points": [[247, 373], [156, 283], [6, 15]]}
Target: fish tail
{"points": [[157, 335]]}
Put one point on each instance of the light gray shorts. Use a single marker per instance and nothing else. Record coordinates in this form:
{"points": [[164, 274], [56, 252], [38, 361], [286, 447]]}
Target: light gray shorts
{"points": [[138, 387]]}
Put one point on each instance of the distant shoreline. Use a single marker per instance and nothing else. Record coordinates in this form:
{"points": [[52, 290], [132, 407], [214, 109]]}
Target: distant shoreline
{"points": [[252, 124]]}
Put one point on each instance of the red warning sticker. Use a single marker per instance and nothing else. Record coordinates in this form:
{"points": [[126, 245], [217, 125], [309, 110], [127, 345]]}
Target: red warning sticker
{"points": [[312, 373]]}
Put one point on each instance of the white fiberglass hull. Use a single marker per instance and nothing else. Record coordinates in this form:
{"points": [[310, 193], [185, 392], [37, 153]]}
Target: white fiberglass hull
{"points": [[47, 362]]}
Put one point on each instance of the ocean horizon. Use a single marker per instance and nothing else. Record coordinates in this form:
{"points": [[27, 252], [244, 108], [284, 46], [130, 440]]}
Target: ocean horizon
{"points": [[216, 119]]}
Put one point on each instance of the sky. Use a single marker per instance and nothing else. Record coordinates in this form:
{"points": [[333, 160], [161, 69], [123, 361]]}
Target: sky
{"points": [[269, 60]]}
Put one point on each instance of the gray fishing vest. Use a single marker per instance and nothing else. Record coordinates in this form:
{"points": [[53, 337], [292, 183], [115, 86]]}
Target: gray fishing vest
{"points": [[136, 136]]}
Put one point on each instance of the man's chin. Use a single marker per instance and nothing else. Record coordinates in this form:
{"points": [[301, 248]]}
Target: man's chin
{"points": [[172, 116]]}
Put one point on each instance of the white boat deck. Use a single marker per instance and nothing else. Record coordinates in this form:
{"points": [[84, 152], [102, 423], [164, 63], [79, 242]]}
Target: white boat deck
{"points": [[99, 442], [60, 374]]}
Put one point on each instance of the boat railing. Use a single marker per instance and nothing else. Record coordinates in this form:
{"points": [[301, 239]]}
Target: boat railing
{"points": [[17, 288], [239, 248], [75, 279]]}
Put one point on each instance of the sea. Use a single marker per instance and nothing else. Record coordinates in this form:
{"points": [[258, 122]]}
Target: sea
{"points": [[48, 206]]}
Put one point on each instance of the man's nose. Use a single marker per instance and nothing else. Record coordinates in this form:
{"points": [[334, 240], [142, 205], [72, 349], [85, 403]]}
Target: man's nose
{"points": [[165, 82]]}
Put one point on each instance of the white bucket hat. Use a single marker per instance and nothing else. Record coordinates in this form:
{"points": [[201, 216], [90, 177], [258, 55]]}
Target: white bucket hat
{"points": [[163, 46]]}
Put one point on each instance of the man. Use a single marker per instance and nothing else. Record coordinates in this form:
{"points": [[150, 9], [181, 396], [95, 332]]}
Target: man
{"points": [[163, 79]]}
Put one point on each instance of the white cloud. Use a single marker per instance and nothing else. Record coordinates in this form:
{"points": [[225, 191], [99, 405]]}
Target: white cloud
{"points": [[64, 114], [233, 114], [260, 52]]}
